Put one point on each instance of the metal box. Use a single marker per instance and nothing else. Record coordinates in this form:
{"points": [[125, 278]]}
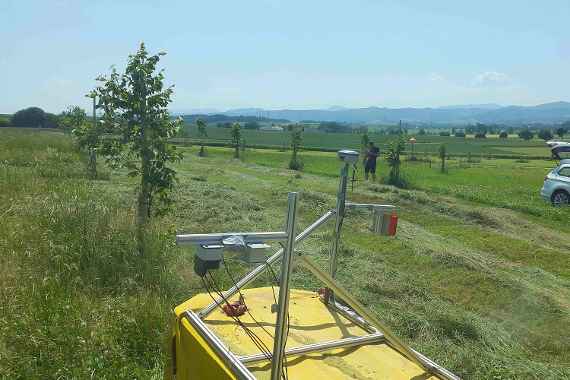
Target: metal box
{"points": [[255, 253], [207, 257], [384, 221], [209, 252]]}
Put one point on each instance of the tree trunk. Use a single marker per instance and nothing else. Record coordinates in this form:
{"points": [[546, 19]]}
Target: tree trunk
{"points": [[143, 201], [92, 165]]}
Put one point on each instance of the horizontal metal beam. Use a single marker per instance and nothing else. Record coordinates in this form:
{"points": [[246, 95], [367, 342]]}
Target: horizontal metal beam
{"points": [[319, 347], [257, 271], [233, 363], [216, 238]]}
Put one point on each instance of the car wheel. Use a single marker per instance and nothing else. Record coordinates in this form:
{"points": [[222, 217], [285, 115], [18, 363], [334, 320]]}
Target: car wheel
{"points": [[560, 198]]}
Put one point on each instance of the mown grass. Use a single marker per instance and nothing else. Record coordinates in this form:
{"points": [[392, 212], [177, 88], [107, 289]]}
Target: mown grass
{"points": [[497, 182], [316, 139], [480, 287]]}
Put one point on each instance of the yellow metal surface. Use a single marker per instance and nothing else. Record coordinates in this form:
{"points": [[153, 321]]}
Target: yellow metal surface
{"points": [[310, 322]]}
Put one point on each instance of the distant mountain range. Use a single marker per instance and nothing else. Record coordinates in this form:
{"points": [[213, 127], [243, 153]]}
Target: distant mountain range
{"points": [[460, 114]]}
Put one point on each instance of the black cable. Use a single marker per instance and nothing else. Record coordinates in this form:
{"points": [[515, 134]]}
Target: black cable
{"points": [[254, 338], [286, 373], [243, 298], [252, 335], [257, 341], [271, 282]]}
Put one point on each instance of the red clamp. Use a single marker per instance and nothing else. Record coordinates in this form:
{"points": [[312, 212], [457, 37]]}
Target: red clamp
{"points": [[325, 294], [235, 309]]}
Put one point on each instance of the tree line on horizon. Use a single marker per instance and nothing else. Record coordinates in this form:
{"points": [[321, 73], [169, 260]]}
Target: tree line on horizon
{"points": [[35, 117]]}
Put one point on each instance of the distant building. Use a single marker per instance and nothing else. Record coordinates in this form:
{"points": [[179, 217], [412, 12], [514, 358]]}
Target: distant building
{"points": [[273, 128]]}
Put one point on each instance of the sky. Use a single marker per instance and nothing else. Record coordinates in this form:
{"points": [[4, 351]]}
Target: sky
{"points": [[291, 54]]}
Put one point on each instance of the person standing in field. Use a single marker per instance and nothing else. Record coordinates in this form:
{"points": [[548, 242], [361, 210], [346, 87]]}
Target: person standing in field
{"points": [[372, 154]]}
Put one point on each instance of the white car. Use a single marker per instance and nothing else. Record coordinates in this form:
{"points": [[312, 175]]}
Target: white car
{"points": [[553, 143], [556, 188]]}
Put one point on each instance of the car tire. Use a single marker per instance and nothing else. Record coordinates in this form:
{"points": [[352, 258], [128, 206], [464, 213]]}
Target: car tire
{"points": [[560, 198]]}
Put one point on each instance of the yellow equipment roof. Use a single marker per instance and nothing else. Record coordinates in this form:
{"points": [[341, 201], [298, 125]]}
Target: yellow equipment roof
{"points": [[311, 321]]}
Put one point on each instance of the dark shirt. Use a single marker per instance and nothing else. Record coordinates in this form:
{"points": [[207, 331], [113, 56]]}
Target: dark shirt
{"points": [[372, 155]]}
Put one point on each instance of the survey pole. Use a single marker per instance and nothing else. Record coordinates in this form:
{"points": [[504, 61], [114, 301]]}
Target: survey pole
{"points": [[281, 326], [340, 206]]}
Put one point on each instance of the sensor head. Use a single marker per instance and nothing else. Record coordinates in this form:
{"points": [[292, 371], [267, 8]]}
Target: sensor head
{"points": [[348, 156]]}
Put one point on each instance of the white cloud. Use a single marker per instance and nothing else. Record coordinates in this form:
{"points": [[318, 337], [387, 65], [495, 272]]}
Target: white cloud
{"points": [[491, 78], [435, 77]]}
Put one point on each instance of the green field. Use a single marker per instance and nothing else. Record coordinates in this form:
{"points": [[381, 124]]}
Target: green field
{"points": [[333, 141], [478, 277]]}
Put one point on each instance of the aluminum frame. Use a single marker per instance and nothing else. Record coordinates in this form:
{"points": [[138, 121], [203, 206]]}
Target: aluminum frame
{"points": [[216, 238], [232, 361], [319, 347], [260, 269], [340, 207], [281, 325]]}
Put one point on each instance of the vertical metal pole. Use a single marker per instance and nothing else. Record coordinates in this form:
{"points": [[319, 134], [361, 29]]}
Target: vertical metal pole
{"points": [[340, 203], [94, 112], [283, 307]]}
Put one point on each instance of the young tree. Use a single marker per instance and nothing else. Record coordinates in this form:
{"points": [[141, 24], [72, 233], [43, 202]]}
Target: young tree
{"points": [[251, 125], [202, 132], [442, 154], [236, 137], [73, 117], [481, 135], [296, 140], [545, 134], [364, 140], [88, 135], [526, 134], [392, 156], [135, 112]]}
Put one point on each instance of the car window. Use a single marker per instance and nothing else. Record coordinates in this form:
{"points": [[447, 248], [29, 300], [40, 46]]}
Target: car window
{"points": [[564, 171]]}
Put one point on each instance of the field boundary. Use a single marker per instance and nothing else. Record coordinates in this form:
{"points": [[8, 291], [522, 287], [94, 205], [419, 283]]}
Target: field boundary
{"points": [[183, 141]]}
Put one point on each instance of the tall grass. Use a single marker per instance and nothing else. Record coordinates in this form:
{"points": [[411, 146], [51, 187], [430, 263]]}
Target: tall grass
{"points": [[75, 299]]}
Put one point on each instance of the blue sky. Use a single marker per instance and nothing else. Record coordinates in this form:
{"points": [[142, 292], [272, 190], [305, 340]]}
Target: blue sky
{"points": [[296, 54]]}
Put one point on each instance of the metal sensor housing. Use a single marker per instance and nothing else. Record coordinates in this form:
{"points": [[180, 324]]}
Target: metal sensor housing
{"points": [[348, 156]]}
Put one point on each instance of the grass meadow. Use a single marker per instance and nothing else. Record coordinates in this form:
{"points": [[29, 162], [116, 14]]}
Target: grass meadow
{"points": [[478, 277], [513, 146]]}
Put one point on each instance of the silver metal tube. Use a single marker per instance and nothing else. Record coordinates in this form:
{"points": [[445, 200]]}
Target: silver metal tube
{"points": [[257, 271], [235, 365], [281, 326], [340, 203], [436, 368], [319, 347], [352, 316], [218, 237]]}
